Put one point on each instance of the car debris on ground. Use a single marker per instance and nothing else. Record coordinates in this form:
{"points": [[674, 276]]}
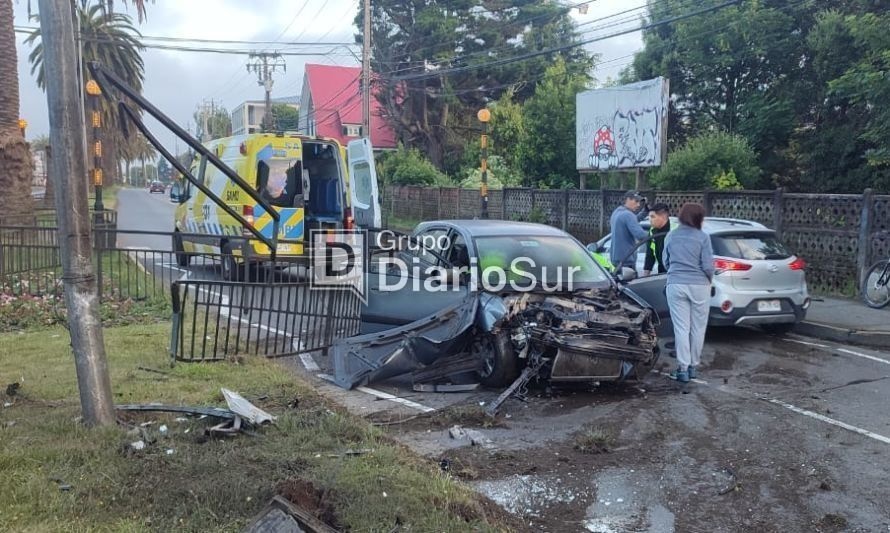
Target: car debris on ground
{"points": [[234, 420]]}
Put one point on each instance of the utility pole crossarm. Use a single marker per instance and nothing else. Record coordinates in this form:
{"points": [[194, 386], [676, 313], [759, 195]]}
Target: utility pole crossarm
{"points": [[265, 64]]}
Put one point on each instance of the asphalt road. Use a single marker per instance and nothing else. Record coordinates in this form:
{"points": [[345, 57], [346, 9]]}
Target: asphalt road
{"points": [[779, 433], [137, 209]]}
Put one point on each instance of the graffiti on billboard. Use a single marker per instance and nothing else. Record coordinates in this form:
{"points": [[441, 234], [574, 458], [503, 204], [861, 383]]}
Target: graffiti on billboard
{"points": [[621, 127]]}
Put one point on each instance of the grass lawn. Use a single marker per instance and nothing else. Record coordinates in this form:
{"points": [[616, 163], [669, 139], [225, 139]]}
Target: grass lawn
{"points": [[204, 484]]}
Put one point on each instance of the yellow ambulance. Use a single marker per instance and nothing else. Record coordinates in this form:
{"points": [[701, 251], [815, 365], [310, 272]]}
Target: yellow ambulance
{"points": [[309, 181]]}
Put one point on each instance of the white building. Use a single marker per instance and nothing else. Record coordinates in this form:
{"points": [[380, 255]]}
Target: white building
{"points": [[248, 116]]}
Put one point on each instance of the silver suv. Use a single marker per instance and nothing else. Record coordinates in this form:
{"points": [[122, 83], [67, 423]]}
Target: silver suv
{"points": [[758, 280]]}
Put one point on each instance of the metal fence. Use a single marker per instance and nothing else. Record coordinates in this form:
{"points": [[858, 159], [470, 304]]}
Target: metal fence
{"points": [[838, 235], [214, 320], [272, 313]]}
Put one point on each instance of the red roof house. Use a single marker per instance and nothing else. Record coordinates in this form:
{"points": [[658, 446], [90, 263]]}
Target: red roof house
{"points": [[331, 106]]}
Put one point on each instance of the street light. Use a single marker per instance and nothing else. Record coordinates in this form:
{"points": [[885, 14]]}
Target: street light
{"points": [[22, 125], [94, 92], [484, 115]]}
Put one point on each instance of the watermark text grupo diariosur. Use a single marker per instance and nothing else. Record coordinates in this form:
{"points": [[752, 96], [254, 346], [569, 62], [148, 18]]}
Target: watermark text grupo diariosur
{"points": [[418, 264]]}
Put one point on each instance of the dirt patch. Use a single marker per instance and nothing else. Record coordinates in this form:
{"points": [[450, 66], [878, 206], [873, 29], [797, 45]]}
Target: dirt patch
{"points": [[306, 496], [831, 523]]}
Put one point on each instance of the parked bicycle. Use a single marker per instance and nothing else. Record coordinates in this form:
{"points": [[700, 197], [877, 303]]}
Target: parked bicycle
{"points": [[876, 285]]}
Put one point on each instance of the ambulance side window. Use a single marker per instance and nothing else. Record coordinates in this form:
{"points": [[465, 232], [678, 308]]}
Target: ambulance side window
{"points": [[279, 181]]}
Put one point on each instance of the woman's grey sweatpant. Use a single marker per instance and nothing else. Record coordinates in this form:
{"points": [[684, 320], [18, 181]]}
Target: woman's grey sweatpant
{"points": [[689, 313]]}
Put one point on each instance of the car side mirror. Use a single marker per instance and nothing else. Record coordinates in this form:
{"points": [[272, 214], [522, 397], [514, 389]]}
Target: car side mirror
{"points": [[596, 248], [626, 274]]}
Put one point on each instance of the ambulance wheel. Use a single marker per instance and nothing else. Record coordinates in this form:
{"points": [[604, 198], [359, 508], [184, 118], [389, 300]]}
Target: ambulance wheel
{"points": [[231, 270], [182, 258]]}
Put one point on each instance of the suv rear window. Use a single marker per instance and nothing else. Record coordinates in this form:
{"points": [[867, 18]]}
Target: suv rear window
{"points": [[752, 246]]}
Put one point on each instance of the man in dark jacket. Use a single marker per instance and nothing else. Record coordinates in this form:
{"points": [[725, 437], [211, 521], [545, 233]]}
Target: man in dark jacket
{"points": [[659, 226], [626, 231]]}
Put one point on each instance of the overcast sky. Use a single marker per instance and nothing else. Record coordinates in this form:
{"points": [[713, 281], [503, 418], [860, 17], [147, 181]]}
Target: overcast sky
{"points": [[177, 81]]}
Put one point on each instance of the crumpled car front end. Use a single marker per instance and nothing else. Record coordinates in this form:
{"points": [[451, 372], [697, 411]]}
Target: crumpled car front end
{"points": [[594, 335], [585, 336]]}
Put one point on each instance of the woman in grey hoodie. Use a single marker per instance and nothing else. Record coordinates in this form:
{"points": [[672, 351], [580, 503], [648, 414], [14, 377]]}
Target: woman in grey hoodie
{"points": [[690, 265]]}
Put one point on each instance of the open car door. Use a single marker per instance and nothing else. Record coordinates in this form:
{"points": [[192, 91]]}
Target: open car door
{"points": [[363, 191]]}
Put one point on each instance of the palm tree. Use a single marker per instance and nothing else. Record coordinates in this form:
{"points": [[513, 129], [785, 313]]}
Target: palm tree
{"points": [[112, 40], [15, 158]]}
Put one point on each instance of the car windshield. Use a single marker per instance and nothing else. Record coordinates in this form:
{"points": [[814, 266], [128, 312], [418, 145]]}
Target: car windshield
{"points": [[531, 261], [751, 246]]}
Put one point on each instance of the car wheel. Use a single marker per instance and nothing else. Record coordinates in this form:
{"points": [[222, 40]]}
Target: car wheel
{"points": [[182, 258], [778, 329], [500, 366], [231, 270]]}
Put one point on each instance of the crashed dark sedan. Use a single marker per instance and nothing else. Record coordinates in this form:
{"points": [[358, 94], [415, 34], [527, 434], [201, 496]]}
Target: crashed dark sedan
{"points": [[491, 299]]}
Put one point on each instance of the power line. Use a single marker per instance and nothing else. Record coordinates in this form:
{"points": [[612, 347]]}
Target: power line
{"points": [[462, 59], [504, 24], [164, 38], [562, 48]]}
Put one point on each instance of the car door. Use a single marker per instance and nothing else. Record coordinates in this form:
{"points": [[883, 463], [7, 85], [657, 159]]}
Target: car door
{"points": [[651, 289], [364, 195], [399, 294]]}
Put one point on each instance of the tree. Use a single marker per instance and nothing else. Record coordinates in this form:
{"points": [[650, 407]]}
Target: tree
{"points": [[15, 158], [165, 170], [286, 117], [731, 69], [843, 143], [714, 160], [547, 147], [415, 43], [110, 39], [219, 123], [407, 166]]}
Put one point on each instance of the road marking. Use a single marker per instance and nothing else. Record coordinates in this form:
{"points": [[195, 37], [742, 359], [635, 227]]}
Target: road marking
{"points": [[827, 420], [383, 395], [798, 410], [807, 343], [387, 396], [841, 350], [864, 356], [309, 362], [172, 266]]}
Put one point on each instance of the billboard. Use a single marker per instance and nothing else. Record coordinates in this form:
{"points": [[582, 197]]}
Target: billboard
{"points": [[621, 127]]}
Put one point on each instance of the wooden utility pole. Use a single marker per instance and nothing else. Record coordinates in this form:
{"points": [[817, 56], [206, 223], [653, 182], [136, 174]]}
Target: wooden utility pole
{"points": [[265, 64], [366, 71], [69, 175]]}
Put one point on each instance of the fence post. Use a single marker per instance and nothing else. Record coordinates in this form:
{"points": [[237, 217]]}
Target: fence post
{"points": [[778, 204], [706, 201], [439, 202], [865, 223], [565, 210]]}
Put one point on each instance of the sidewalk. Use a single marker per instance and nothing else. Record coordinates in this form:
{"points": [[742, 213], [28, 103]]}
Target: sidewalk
{"points": [[847, 320]]}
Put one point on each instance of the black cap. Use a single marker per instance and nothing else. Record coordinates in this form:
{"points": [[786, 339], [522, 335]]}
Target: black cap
{"points": [[634, 194]]}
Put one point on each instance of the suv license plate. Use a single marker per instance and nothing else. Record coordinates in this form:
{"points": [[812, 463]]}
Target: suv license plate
{"points": [[769, 306]]}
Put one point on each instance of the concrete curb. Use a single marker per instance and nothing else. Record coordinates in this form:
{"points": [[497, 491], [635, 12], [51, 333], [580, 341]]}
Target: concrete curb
{"points": [[874, 339]]}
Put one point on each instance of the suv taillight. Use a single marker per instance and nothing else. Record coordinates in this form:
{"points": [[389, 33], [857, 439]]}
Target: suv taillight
{"points": [[348, 221], [798, 264], [247, 213], [728, 265]]}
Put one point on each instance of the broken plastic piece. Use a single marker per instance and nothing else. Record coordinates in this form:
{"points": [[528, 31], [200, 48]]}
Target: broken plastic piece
{"points": [[240, 406]]}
